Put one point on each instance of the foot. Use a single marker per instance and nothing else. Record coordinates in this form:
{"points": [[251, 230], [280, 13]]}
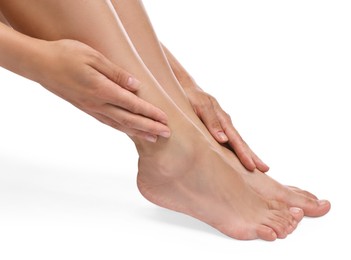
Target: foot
{"points": [[263, 184], [292, 196], [271, 189], [194, 179]]}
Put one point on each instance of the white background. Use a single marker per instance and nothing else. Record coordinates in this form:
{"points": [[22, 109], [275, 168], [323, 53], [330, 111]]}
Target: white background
{"points": [[280, 68]]}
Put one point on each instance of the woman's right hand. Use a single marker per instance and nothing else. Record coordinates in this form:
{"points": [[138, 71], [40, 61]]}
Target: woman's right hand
{"points": [[88, 80]]}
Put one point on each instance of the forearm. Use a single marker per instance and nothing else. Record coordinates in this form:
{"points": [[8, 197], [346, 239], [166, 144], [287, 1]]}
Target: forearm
{"points": [[19, 53], [184, 78]]}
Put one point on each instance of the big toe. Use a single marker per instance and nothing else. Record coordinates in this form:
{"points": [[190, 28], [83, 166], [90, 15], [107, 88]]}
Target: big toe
{"points": [[303, 192], [319, 208], [311, 206]]}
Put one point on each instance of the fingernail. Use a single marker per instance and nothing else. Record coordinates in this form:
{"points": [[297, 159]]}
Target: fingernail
{"points": [[165, 134], [295, 210], [222, 136], [151, 138], [322, 202], [134, 83]]}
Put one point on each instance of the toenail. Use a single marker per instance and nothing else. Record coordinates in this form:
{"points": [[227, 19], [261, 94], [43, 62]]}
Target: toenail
{"points": [[322, 202], [295, 210], [274, 235]]}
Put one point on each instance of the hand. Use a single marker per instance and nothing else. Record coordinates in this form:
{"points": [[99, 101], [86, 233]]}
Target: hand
{"points": [[89, 81], [219, 124]]}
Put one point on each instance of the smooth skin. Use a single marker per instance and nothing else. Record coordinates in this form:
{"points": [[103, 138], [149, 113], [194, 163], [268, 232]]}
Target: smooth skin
{"points": [[85, 78], [131, 119], [165, 69], [205, 186]]}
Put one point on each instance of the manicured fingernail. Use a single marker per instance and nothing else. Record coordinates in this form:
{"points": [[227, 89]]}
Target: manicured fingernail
{"points": [[151, 138], [134, 83], [295, 210], [322, 202], [222, 136], [165, 134]]}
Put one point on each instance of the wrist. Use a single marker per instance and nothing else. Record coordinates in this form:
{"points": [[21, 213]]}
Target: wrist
{"points": [[32, 62], [20, 53]]}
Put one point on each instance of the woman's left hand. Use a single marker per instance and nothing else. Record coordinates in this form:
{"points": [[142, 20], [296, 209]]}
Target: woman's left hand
{"points": [[220, 125]]}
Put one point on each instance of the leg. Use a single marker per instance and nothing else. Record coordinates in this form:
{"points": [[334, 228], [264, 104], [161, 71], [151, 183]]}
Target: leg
{"points": [[140, 31], [2, 19], [203, 185]]}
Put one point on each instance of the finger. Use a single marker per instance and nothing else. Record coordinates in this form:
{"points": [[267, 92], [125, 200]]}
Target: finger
{"points": [[236, 142], [259, 163], [133, 121], [117, 96], [209, 117], [131, 132], [247, 157], [116, 74]]}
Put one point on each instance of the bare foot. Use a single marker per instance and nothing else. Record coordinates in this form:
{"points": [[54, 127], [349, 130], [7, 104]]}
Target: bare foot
{"points": [[293, 196], [194, 179], [271, 189], [263, 184]]}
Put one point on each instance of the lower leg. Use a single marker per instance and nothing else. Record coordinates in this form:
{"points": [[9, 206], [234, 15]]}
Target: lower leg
{"points": [[139, 29], [203, 185], [141, 33], [2, 19]]}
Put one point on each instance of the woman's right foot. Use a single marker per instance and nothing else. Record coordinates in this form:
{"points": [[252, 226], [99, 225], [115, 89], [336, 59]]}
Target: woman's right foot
{"points": [[271, 189], [267, 187], [192, 178]]}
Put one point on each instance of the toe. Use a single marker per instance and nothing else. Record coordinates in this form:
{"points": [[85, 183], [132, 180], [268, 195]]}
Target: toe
{"points": [[281, 223], [266, 233], [322, 208], [297, 213], [312, 207], [303, 192]]}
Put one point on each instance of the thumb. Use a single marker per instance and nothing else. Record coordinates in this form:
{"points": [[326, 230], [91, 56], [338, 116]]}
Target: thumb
{"points": [[118, 75], [124, 79]]}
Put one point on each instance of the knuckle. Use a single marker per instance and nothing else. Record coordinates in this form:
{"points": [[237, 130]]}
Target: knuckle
{"points": [[127, 122], [132, 105], [110, 123], [94, 56], [203, 105], [87, 104], [205, 101], [152, 127], [119, 76], [98, 91], [114, 125], [97, 87], [227, 117], [215, 124], [210, 97]]}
